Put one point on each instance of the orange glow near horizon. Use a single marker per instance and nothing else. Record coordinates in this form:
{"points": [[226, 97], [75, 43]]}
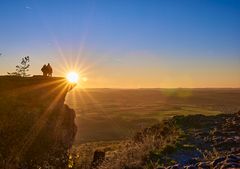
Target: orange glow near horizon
{"points": [[140, 70]]}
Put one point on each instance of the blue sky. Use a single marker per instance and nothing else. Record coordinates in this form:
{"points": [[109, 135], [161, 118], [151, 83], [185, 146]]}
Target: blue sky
{"points": [[145, 43]]}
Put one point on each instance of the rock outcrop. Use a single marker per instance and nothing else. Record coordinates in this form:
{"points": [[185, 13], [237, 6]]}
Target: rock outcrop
{"points": [[36, 127], [182, 142], [208, 142]]}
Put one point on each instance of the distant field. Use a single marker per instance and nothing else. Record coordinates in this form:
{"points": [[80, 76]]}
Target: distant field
{"points": [[113, 114]]}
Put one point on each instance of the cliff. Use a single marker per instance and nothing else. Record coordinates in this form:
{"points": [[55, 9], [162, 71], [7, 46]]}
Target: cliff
{"points": [[36, 127]]}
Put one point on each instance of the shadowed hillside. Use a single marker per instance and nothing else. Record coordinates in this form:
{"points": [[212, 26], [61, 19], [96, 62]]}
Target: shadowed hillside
{"points": [[36, 127]]}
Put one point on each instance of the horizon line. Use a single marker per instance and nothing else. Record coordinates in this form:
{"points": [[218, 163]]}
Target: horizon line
{"points": [[127, 88]]}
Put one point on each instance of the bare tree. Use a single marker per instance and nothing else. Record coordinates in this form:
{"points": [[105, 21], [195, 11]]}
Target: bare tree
{"points": [[22, 68]]}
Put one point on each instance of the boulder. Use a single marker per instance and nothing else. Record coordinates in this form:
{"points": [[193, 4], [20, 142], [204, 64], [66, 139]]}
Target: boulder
{"points": [[98, 158]]}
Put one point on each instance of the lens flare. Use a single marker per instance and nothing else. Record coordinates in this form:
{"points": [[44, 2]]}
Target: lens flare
{"points": [[72, 77]]}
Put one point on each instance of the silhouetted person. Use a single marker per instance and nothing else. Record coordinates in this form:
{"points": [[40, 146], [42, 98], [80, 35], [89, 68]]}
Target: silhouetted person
{"points": [[49, 70], [44, 70]]}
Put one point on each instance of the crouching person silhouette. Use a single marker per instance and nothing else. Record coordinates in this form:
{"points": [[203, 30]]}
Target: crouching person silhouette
{"points": [[44, 70]]}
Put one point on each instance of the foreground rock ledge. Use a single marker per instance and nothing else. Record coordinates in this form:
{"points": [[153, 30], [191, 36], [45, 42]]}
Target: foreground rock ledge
{"points": [[36, 127], [182, 142]]}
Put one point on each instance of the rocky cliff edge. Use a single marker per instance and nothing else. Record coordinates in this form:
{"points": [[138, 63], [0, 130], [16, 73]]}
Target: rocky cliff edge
{"points": [[36, 127]]}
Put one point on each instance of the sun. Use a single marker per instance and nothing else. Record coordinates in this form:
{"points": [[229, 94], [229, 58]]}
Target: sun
{"points": [[72, 77]]}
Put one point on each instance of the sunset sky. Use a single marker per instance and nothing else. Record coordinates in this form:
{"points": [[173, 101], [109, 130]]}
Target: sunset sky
{"points": [[126, 43]]}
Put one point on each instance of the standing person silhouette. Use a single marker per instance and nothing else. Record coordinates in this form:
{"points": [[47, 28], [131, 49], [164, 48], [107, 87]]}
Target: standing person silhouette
{"points": [[49, 70]]}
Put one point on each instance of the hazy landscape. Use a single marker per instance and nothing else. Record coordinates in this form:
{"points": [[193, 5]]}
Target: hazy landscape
{"points": [[113, 114]]}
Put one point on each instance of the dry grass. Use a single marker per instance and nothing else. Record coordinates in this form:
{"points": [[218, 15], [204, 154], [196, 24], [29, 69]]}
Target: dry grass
{"points": [[135, 152]]}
